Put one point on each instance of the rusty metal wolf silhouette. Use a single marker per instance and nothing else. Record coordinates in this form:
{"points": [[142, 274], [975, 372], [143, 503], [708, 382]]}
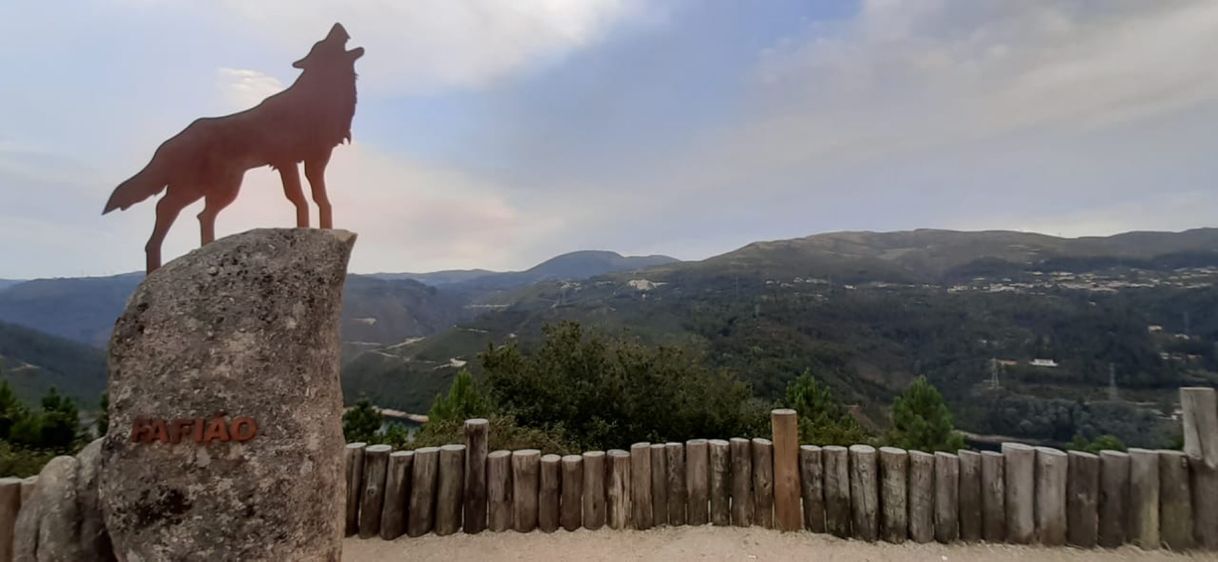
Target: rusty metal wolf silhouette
{"points": [[208, 159]]}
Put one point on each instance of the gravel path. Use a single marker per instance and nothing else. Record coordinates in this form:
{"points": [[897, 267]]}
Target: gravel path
{"points": [[709, 543]]}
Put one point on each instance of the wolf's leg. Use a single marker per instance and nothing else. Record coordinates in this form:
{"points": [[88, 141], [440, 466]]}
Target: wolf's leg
{"points": [[216, 201], [291, 188], [315, 172], [167, 210]]}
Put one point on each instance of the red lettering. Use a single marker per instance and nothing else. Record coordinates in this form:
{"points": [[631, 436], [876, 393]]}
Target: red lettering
{"points": [[244, 428], [217, 430]]}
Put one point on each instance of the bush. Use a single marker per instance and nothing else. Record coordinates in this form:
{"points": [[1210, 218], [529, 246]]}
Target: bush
{"points": [[361, 423], [1101, 443], [822, 419]]}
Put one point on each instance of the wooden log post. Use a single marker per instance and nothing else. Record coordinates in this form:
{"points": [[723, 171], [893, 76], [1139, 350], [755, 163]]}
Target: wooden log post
{"points": [[547, 499], [1082, 498], [476, 442], [864, 493], [993, 497], [697, 481], [1199, 408], [1114, 498], [353, 463], [570, 515], [970, 495], [678, 492], [450, 489], [921, 497], [397, 490], [1020, 480], [526, 473], [947, 497], [376, 462], [640, 486], [1144, 498], [10, 506], [742, 482], [659, 484], [836, 462], [894, 495], [763, 482], [784, 424], [594, 508], [1175, 501], [499, 491], [720, 482], [812, 487], [619, 489], [421, 514], [1051, 473]]}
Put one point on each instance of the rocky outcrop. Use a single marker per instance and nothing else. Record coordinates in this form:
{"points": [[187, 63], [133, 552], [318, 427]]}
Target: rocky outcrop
{"points": [[48, 527], [225, 440]]}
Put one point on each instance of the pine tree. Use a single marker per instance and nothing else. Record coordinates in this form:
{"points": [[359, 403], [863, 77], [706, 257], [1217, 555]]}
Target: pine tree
{"points": [[11, 410], [465, 400], [60, 421], [822, 419], [921, 420], [361, 423], [103, 419]]}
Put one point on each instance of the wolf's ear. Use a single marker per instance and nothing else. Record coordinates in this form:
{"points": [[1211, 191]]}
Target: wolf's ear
{"points": [[356, 53]]}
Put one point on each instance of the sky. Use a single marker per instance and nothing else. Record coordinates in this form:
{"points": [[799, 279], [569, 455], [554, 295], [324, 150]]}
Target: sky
{"points": [[498, 134]]}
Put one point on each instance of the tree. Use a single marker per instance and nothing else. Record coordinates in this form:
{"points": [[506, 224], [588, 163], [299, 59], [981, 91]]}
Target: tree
{"points": [[1102, 443], [60, 421], [361, 423], [11, 410], [103, 418], [465, 400], [921, 420], [822, 419]]}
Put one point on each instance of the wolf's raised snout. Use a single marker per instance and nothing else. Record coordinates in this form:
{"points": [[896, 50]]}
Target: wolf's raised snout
{"points": [[209, 158]]}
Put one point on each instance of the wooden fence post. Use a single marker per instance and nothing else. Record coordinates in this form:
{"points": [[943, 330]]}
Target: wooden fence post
{"points": [[837, 490], [421, 516], [547, 500], [594, 511], [397, 489], [864, 493], [812, 487], [449, 490], [1175, 501], [526, 471], [476, 442], [619, 489], [1083, 498], [763, 482], [1114, 498], [947, 497], [697, 481], [921, 496], [993, 497], [742, 482], [376, 461], [1144, 498], [499, 491], [678, 495], [10, 505], [1051, 473], [720, 482], [640, 486], [1200, 416], [572, 492], [784, 424], [659, 484], [894, 473], [1020, 472], [970, 495], [353, 461]]}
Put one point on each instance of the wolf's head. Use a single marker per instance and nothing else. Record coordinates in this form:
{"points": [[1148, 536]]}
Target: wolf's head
{"points": [[330, 51]]}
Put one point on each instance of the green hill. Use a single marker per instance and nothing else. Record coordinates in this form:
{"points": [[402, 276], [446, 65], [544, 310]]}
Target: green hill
{"points": [[32, 362]]}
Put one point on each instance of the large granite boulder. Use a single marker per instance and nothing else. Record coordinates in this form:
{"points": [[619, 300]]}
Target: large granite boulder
{"points": [[48, 527], [225, 438]]}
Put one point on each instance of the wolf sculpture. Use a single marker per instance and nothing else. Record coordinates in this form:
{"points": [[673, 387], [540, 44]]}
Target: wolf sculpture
{"points": [[208, 159]]}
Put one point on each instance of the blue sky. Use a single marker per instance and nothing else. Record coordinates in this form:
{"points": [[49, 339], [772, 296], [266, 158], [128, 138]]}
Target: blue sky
{"points": [[497, 134]]}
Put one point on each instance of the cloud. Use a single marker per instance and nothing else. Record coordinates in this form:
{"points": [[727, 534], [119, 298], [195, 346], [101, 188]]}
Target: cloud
{"points": [[243, 89], [432, 45]]}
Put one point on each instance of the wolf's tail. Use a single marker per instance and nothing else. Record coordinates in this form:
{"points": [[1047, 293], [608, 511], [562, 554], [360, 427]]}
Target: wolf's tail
{"points": [[148, 182]]}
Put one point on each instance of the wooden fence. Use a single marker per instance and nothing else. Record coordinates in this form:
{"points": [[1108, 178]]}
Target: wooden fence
{"points": [[1022, 495]]}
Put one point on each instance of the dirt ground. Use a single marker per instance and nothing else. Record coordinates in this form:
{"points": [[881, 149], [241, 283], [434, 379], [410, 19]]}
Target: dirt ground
{"points": [[709, 543]]}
